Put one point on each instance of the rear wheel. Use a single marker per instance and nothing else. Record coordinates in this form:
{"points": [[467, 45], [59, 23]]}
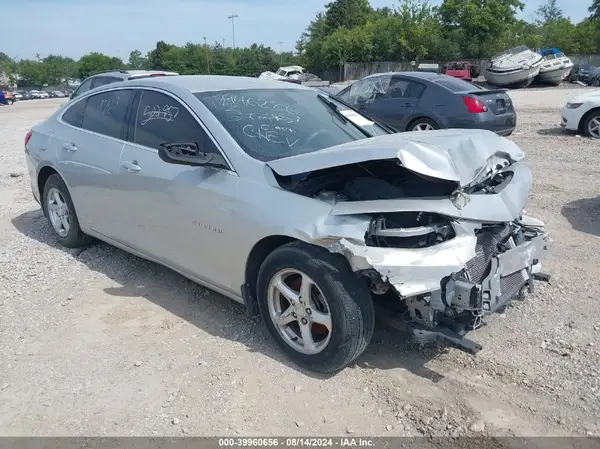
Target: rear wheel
{"points": [[58, 208], [422, 124], [317, 310], [591, 124], [9, 101]]}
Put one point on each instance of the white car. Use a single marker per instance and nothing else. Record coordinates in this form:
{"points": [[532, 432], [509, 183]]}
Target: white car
{"points": [[43, 94], [582, 114]]}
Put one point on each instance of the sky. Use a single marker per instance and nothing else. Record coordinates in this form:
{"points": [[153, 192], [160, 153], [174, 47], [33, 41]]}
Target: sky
{"points": [[115, 27]]}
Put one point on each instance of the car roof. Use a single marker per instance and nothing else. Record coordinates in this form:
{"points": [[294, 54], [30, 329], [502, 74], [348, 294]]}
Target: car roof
{"points": [[211, 83], [129, 72], [417, 75]]}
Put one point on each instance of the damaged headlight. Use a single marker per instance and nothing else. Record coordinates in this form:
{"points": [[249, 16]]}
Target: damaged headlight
{"points": [[408, 230]]}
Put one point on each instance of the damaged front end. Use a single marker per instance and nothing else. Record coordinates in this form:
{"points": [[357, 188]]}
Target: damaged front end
{"points": [[441, 291], [446, 241]]}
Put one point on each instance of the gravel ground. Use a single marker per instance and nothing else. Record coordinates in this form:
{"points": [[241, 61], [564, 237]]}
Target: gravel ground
{"points": [[100, 342]]}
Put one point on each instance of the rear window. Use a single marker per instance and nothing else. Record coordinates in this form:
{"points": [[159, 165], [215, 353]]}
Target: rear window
{"points": [[454, 84]]}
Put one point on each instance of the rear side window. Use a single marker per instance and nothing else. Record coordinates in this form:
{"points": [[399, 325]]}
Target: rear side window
{"points": [[106, 113], [161, 118], [454, 84], [102, 80], [74, 114]]}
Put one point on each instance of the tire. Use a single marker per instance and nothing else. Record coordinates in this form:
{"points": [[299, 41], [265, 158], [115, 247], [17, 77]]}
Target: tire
{"points": [[348, 300], [74, 237], [592, 116], [9, 102], [422, 122]]}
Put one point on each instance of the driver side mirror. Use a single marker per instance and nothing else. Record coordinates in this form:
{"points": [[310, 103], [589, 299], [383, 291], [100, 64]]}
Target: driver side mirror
{"points": [[189, 153]]}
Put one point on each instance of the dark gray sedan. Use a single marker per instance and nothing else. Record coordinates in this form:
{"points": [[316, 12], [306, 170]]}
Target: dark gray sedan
{"points": [[418, 101]]}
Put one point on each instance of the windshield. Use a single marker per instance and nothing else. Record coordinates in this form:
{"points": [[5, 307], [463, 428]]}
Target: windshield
{"points": [[272, 124]]}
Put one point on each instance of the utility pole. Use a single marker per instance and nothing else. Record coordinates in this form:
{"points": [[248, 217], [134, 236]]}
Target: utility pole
{"points": [[281, 53], [223, 42], [233, 17], [206, 55]]}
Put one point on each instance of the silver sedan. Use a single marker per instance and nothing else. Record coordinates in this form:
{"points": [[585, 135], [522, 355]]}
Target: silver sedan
{"points": [[296, 205]]}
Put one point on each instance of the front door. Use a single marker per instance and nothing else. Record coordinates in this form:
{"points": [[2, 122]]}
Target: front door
{"points": [[396, 107], [179, 215]]}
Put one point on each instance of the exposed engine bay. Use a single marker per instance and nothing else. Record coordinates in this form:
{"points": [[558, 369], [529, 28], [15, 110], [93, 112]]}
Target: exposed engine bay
{"points": [[404, 253]]}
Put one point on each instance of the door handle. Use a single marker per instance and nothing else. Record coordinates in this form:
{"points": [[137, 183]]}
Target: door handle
{"points": [[131, 166], [69, 147]]}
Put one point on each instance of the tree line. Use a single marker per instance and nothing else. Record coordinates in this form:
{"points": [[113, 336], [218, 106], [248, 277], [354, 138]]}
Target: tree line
{"points": [[349, 31]]}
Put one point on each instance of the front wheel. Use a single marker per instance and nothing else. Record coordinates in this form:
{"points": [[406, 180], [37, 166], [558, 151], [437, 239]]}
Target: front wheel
{"points": [[9, 102], [317, 310], [591, 125]]}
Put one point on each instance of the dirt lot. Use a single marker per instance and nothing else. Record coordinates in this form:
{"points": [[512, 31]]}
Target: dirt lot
{"points": [[100, 342]]}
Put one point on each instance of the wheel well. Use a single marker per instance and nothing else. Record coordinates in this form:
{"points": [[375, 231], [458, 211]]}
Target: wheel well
{"points": [[43, 176], [411, 123], [584, 118], [257, 256]]}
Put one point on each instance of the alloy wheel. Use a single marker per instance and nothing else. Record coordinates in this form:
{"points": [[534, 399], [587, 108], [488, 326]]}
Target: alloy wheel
{"points": [[58, 212], [423, 127], [299, 311], [594, 127]]}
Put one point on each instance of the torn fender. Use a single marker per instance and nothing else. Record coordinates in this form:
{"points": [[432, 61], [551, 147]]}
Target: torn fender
{"points": [[417, 271], [412, 271]]}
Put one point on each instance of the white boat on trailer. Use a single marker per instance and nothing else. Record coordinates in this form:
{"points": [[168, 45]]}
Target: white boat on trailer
{"points": [[516, 67], [555, 67]]}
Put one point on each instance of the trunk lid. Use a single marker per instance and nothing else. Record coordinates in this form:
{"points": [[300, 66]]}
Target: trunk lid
{"points": [[496, 100], [459, 155]]}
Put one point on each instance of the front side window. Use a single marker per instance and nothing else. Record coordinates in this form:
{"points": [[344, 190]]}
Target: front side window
{"points": [[160, 118], [106, 113], [367, 90], [271, 124]]}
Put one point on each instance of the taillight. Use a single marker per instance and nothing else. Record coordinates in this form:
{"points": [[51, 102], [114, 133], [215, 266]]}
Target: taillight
{"points": [[157, 74], [27, 137], [474, 105]]}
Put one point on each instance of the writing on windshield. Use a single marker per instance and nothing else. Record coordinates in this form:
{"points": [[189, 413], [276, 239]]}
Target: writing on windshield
{"points": [[275, 123]]}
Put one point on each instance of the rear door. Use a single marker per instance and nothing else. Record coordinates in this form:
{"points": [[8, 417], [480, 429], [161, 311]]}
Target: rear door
{"points": [[88, 149]]}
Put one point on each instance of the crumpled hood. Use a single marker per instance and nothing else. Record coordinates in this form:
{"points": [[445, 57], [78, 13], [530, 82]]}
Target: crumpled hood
{"points": [[459, 155]]}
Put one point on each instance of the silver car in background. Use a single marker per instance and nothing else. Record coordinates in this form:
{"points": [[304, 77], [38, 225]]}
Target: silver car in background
{"points": [[294, 204]]}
